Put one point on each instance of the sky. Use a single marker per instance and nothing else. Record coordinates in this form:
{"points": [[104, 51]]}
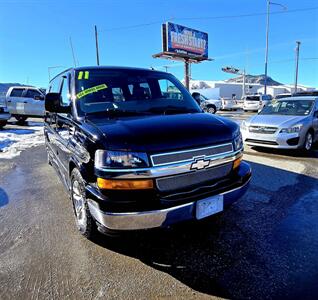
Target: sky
{"points": [[35, 36]]}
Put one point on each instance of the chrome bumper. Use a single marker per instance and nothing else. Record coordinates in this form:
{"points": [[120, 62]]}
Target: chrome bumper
{"points": [[5, 116], [156, 218]]}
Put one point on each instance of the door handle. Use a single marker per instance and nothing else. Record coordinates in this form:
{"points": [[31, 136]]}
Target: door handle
{"points": [[25, 101]]}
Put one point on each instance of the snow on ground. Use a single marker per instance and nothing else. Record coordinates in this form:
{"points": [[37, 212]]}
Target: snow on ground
{"points": [[14, 140]]}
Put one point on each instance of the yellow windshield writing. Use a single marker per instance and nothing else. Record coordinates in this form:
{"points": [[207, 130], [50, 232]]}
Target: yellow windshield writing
{"points": [[81, 73], [91, 90]]}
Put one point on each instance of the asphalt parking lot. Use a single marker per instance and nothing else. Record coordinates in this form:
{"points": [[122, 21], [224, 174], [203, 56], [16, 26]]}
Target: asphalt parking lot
{"points": [[263, 247]]}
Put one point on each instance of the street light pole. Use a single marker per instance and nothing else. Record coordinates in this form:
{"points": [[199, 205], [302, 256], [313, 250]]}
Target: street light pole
{"points": [[266, 50], [297, 60]]}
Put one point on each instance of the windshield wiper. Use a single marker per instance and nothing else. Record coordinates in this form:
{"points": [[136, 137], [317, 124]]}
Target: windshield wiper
{"points": [[171, 110], [122, 112]]}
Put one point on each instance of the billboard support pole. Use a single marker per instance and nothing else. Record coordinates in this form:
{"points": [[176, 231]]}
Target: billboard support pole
{"points": [[186, 74]]}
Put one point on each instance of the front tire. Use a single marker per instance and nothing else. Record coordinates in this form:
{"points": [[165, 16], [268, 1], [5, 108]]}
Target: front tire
{"points": [[84, 220], [308, 141], [21, 119], [211, 109], [2, 124]]}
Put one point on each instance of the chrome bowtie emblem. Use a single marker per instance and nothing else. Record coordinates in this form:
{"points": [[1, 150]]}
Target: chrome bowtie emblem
{"points": [[200, 164]]}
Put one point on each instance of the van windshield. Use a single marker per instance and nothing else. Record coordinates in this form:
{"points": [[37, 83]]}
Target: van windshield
{"points": [[288, 107], [130, 91]]}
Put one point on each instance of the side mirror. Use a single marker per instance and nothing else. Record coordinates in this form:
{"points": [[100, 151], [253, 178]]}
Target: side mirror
{"points": [[38, 97], [196, 97], [53, 103]]}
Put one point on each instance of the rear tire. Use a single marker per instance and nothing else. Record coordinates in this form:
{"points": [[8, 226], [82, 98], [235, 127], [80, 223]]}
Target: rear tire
{"points": [[21, 119], [84, 221]]}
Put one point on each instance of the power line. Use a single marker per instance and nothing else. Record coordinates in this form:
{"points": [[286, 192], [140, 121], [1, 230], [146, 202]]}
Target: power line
{"points": [[135, 26], [251, 14], [211, 18], [291, 59]]}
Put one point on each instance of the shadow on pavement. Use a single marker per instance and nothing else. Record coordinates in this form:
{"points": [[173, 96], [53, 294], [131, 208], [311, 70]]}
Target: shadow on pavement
{"points": [[291, 153], [264, 246], [4, 199]]}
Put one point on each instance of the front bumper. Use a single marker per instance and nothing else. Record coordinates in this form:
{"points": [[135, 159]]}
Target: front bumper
{"points": [[277, 140], [4, 116], [163, 217], [251, 107]]}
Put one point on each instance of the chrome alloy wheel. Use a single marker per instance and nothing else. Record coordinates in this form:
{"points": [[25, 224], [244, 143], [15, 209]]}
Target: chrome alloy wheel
{"points": [[79, 205], [308, 141], [211, 110]]}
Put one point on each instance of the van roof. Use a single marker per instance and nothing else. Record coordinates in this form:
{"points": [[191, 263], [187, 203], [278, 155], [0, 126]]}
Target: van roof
{"points": [[88, 68]]}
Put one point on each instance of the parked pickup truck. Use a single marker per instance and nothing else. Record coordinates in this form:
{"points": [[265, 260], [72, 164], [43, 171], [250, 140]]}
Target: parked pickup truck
{"points": [[131, 157], [4, 116], [23, 102], [208, 105]]}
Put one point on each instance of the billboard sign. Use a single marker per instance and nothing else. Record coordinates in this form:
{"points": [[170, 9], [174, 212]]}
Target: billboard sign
{"points": [[185, 41]]}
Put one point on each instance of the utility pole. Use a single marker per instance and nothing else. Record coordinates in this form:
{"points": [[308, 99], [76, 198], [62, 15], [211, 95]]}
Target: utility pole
{"points": [[266, 50], [96, 41], [297, 61]]}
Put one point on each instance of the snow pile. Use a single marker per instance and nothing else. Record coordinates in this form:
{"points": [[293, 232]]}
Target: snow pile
{"points": [[13, 141]]}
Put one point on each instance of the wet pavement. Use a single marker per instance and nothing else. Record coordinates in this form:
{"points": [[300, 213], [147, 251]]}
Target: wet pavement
{"points": [[263, 247]]}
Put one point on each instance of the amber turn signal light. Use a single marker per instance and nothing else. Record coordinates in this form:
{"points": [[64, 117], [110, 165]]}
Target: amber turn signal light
{"points": [[237, 163], [116, 184]]}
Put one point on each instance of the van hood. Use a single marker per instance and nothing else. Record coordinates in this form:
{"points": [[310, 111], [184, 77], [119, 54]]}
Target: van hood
{"points": [[164, 132]]}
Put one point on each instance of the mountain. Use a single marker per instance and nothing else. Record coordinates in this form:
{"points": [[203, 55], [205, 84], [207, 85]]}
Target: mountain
{"points": [[260, 79], [5, 86]]}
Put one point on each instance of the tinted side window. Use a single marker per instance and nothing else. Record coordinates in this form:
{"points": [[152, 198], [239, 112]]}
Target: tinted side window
{"points": [[169, 90], [32, 93], [16, 93], [65, 93], [55, 85]]}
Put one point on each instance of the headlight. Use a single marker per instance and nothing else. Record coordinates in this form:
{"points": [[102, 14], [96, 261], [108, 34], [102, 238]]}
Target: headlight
{"points": [[243, 125], [120, 159], [238, 142], [293, 129]]}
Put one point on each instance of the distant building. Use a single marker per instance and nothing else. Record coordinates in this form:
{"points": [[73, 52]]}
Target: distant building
{"points": [[230, 89], [286, 88]]}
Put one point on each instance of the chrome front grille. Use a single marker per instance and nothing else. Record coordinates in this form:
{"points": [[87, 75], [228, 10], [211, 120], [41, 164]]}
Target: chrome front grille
{"points": [[193, 179], [191, 154], [262, 129]]}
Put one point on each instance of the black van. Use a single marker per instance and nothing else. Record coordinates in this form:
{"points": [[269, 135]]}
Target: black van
{"points": [[133, 158]]}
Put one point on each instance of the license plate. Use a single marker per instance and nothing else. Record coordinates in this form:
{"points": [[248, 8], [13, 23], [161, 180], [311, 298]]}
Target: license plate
{"points": [[209, 206]]}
